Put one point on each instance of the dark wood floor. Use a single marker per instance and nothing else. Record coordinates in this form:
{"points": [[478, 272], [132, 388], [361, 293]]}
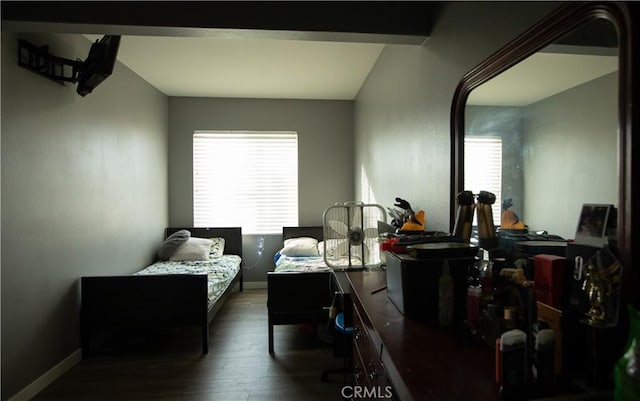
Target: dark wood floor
{"points": [[170, 366]]}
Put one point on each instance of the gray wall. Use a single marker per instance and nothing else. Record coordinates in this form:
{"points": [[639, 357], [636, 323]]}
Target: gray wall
{"points": [[554, 151], [571, 148], [325, 156], [402, 114], [84, 192]]}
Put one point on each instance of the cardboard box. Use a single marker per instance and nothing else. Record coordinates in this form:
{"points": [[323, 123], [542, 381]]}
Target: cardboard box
{"points": [[553, 317]]}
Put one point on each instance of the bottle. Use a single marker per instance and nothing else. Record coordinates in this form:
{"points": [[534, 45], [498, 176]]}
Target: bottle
{"points": [[509, 318], [496, 267], [445, 293], [492, 327], [542, 364], [486, 280], [627, 368], [474, 293], [513, 364], [486, 229], [464, 216]]}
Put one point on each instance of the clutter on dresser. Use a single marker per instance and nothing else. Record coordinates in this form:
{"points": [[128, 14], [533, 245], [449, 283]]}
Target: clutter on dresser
{"points": [[405, 219], [545, 304]]}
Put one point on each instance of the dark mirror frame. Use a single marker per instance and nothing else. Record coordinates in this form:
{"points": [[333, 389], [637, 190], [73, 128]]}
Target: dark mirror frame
{"points": [[563, 20]]}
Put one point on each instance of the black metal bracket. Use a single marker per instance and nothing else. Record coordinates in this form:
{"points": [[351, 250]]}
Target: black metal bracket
{"points": [[39, 60]]}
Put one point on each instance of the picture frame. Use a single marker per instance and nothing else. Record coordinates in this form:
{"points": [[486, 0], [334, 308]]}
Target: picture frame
{"points": [[593, 224]]}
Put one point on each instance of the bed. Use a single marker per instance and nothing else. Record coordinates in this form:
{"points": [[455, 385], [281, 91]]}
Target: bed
{"points": [[299, 290], [166, 293]]}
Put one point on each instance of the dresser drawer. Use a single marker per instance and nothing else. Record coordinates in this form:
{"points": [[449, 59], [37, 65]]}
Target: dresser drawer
{"points": [[365, 351]]}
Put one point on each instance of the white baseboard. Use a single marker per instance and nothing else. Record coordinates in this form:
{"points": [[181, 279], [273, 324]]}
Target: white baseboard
{"points": [[48, 377], [254, 285]]}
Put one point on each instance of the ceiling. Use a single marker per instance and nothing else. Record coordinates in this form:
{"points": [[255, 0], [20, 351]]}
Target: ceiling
{"points": [[303, 69], [249, 68], [542, 75], [249, 49], [294, 50]]}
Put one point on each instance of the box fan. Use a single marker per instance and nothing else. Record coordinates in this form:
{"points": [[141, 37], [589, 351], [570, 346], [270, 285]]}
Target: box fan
{"points": [[351, 235]]}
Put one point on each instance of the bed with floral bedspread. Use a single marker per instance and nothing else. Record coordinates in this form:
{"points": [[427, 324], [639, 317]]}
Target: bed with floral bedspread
{"points": [[220, 272], [169, 293]]}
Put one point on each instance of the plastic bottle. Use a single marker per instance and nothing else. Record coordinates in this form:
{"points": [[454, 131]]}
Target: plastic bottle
{"points": [[445, 292], [486, 279], [627, 368], [474, 293]]}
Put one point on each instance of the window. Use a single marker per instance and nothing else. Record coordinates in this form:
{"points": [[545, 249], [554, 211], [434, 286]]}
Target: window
{"points": [[245, 178], [483, 169]]}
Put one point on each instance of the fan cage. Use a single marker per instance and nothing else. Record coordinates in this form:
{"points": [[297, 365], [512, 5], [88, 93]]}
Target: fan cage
{"points": [[351, 235]]}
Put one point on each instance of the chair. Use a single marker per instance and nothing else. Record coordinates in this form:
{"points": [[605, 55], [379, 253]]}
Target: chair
{"points": [[341, 347]]}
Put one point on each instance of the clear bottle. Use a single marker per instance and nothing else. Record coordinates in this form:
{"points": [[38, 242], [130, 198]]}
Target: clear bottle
{"points": [[486, 280], [445, 293]]}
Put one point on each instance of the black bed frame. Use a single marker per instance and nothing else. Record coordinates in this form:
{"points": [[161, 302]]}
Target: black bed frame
{"points": [[297, 298], [164, 300]]}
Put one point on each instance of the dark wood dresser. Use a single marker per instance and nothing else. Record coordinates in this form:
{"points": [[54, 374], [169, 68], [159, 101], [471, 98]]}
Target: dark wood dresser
{"points": [[417, 361]]}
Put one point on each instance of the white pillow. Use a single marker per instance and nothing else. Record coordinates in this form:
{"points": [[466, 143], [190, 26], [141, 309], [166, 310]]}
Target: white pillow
{"points": [[193, 249], [300, 246]]}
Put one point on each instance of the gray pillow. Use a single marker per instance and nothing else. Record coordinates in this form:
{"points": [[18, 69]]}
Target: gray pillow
{"points": [[172, 243]]}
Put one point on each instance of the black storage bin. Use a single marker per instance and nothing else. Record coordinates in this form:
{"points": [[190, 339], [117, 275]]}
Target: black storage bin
{"points": [[413, 282]]}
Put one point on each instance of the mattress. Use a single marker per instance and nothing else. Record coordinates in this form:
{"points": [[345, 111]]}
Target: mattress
{"points": [[219, 270], [301, 264]]}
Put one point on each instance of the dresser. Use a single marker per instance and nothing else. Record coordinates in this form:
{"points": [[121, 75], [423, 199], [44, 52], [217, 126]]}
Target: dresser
{"points": [[398, 358]]}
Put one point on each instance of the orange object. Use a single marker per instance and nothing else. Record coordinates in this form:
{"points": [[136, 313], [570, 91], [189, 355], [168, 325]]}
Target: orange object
{"points": [[510, 221], [413, 226]]}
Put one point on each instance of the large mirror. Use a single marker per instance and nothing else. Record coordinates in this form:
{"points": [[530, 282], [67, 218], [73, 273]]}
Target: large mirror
{"points": [[543, 135], [544, 123]]}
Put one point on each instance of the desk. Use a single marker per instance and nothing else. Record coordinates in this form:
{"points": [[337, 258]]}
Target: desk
{"points": [[419, 362]]}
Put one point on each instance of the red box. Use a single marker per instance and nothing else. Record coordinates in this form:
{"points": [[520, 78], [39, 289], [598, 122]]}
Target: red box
{"points": [[548, 276]]}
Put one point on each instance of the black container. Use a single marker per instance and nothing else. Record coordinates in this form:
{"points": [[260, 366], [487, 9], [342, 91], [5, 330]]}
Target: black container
{"points": [[413, 279], [513, 365]]}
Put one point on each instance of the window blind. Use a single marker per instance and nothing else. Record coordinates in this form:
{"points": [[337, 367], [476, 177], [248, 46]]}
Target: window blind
{"points": [[483, 169], [245, 178]]}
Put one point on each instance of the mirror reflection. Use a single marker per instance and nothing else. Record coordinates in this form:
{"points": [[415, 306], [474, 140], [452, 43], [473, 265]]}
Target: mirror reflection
{"points": [[543, 135]]}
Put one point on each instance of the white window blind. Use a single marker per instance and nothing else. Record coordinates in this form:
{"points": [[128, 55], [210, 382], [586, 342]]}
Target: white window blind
{"points": [[483, 169], [245, 178]]}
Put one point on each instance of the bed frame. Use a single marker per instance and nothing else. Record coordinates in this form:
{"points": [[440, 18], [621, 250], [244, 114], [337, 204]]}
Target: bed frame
{"points": [[164, 300], [296, 298]]}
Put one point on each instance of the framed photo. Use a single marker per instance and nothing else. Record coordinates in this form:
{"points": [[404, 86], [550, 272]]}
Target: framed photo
{"points": [[593, 224]]}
